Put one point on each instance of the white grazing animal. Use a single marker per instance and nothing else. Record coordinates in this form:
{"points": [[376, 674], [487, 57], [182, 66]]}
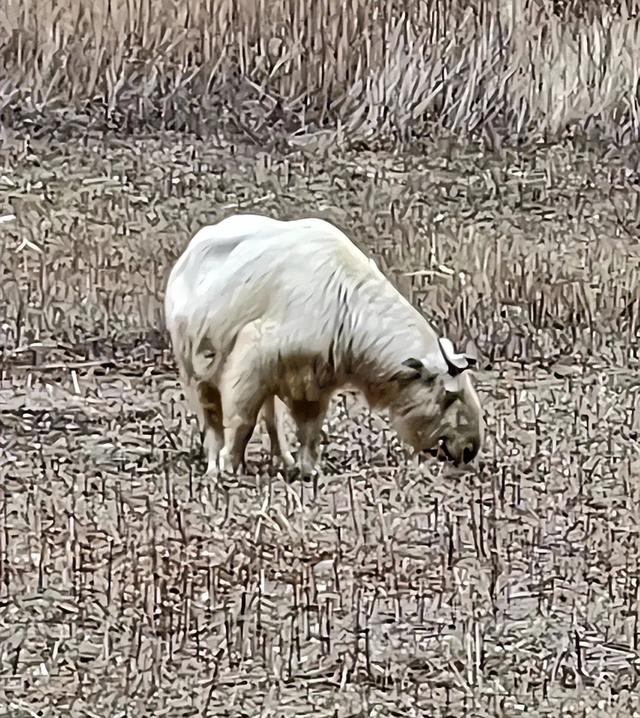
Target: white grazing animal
{"points": [[260, 309]]}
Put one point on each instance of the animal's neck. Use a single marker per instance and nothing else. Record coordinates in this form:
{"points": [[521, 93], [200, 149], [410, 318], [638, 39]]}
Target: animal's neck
{"points": [[385, 331]]}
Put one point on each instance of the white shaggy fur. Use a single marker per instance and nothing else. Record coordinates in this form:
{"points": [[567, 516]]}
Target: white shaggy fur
{"points": [[260, 309]]}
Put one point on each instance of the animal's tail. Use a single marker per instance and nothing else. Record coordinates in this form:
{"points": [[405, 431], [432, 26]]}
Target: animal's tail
{"points": [[195, 355]]}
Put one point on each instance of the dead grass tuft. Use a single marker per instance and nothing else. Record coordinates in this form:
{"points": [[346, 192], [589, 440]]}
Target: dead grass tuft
{"points": [[507, 69]]}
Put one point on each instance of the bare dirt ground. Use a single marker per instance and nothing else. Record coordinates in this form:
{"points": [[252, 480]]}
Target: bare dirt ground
{"points": [[130, 587]]}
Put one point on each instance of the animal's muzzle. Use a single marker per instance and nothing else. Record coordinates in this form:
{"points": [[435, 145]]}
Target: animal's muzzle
{"points": [[469, 454], [442, 453]]}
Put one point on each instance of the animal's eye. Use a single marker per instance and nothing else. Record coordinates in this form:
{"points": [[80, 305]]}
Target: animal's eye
{"points": [[449, 398]]}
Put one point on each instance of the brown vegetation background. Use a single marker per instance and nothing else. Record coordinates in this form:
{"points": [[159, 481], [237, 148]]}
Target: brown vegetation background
{"points": [[518, 68]]}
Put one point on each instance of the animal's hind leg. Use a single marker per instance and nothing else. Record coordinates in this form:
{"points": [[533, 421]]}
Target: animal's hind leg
{"points": [[211, 424], [275, 429], [242, 392]]}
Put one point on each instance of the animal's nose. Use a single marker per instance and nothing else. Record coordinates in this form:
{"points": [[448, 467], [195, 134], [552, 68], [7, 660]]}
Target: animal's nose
{"points": [[469, 453]]}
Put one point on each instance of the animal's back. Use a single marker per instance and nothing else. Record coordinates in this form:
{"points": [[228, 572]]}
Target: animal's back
{"points": [[207, 250], [248, 266]]}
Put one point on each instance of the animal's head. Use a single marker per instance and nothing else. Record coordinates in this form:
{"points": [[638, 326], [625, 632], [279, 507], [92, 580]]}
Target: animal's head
{"points": [[436, 408]]}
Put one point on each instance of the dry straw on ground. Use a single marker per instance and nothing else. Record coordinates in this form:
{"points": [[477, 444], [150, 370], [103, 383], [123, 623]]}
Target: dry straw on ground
{"points": [[129, 586], [500, 68]]}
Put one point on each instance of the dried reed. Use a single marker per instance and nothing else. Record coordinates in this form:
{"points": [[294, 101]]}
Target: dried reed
{"points": [[501, 68]]}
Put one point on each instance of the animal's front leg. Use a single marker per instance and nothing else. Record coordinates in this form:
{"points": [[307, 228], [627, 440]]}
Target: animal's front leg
{"points": [[213, 442], [309, 417], [275, 429], [237, 433]]}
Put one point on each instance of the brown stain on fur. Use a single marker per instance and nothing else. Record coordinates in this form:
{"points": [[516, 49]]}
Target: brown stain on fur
{"points": [[304, 378]]}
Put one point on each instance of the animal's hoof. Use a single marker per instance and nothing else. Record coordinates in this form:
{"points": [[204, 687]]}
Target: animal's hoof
{"points": [[226, 465], [212, 467], [307, 471], [285, 459]]}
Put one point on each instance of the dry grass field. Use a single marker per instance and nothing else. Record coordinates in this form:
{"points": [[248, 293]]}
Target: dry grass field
{"points": [[129, 585]]}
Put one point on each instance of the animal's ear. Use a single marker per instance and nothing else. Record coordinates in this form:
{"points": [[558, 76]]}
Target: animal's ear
{"points": [[414, 367], [456, 363], [419, 369], [471, 353], [413, 363]]}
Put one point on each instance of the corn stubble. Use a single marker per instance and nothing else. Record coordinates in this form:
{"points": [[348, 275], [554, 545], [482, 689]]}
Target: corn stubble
{"points": [[128, 584]]}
